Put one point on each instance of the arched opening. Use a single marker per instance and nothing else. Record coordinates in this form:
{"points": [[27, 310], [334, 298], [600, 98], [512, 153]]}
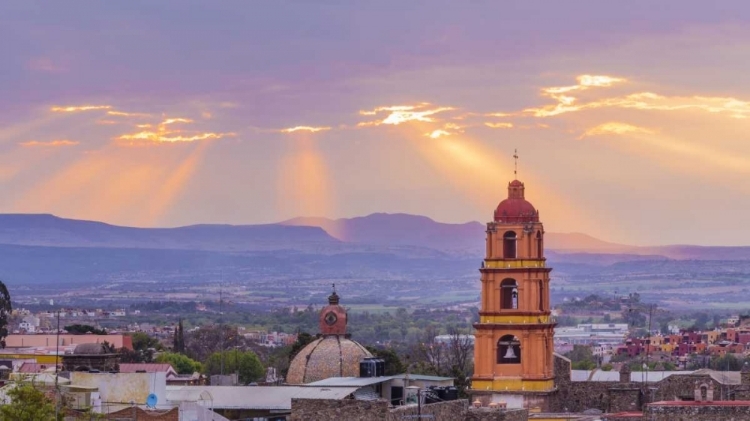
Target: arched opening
{"points": [[508, 350], [509, 245], [539, 247], [541, 295], [508, 294]]}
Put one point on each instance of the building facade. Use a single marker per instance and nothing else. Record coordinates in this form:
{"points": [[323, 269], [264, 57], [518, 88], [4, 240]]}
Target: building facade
{"points": [[514, 348]]}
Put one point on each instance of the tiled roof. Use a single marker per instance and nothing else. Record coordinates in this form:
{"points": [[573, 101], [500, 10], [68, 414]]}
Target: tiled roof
{"points": [[329, 356]]}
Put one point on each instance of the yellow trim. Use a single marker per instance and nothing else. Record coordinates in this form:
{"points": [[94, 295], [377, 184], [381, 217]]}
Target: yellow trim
{"points": [[514, 264], [513, 385], [515, 319], [40, 358]]}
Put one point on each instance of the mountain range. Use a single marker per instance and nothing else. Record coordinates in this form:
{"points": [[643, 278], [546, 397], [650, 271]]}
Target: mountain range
{"points": [[378, 230]]}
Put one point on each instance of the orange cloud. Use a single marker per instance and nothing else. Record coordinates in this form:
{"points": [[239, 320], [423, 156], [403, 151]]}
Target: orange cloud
{"points": [[304, 129], [162, 136], [615, 128], [399, 114], [176, 120], [52, 143], [438, 133], [77, 108], [126, 114], [566, 102], [499, 125]]}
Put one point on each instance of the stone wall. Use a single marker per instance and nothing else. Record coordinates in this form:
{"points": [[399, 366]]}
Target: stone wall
{"points": [[701, 412], [353, 410], [336, 410], [488, 414], [561, 368], [442, 411]]}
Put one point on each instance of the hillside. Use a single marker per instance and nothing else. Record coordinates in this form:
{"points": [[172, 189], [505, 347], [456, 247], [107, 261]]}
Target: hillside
{"points": [[401, 234], [400, 229], [50, 230]]}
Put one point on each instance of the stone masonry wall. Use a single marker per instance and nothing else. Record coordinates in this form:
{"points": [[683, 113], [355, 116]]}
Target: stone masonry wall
{"points": [[353, 410], [561, 368], [336, 410], [487, 414], [696, 413], [442, 411]]}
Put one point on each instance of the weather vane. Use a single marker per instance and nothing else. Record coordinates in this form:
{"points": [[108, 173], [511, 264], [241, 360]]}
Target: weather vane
{"points": [[515, 167]]}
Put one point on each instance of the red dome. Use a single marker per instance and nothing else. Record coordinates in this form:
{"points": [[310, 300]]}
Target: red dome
{"points": [[516, 209]]}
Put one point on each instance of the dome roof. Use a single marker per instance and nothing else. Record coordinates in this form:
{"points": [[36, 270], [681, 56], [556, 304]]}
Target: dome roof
{"points": [[329, 356], [516, 209], [90, 349]]}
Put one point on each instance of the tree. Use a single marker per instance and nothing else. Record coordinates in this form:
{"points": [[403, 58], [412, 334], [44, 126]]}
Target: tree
{"points": [[78, 329], [181, 363], [144, 347], [303, 338], [200, 344], [179, 339], [27, 403], [393, 364], [5, 308], [247, 363], [580, 353]]}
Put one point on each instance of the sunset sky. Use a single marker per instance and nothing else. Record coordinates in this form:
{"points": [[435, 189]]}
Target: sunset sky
{"points": [[631, 119]]}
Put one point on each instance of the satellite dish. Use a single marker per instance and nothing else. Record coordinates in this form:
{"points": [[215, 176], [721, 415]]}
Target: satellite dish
{"points": [[151, 400]]}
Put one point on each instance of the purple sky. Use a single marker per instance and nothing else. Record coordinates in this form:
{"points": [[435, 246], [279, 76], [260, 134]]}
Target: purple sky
{"points": [[654, 151]]}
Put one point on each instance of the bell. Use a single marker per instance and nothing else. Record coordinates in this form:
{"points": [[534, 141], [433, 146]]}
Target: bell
{"points": [[509, 354]]}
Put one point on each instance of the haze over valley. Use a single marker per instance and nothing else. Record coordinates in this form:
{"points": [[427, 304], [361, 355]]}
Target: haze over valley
{"points": [[379, 260]]}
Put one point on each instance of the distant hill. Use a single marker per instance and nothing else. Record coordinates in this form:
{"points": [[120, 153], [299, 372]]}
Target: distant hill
{"points": [[50, 230], [401, 234], [421, 231], [399, 229], [582, 242]]}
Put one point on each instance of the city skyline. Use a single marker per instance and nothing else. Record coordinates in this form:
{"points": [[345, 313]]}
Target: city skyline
{"points": [[174, 114]]}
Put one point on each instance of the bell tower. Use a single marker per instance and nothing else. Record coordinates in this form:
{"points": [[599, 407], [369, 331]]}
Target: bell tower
{"points": [[513, 349]]}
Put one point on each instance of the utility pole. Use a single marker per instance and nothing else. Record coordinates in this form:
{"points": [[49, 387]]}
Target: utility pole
{"points": [[57, 361], [221, 324]]}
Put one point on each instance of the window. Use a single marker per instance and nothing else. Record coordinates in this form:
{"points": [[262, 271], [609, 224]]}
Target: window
{"points": [[508, 350], [509, 245], [539, 247], [508, 294], [541, 295]]}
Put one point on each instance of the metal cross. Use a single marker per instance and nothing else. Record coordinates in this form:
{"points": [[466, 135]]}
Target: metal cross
{"points": [[515, 157]]}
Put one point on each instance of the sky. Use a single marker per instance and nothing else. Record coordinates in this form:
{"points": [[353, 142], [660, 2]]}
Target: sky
{"points": [[630, 118]]}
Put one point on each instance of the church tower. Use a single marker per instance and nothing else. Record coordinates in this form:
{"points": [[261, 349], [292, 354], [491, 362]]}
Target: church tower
{"points": [[513, 350]]}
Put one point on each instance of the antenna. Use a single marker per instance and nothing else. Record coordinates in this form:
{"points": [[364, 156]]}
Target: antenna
{"points": [[515, 165]]}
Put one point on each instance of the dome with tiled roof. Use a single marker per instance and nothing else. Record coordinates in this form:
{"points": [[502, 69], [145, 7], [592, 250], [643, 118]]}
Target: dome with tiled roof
{"points": [[516, 209], [333, 354]]}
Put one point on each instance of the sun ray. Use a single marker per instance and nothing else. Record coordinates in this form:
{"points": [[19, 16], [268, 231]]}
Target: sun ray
{"points": [[304, 184], [481, 175], [173, 185]]}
